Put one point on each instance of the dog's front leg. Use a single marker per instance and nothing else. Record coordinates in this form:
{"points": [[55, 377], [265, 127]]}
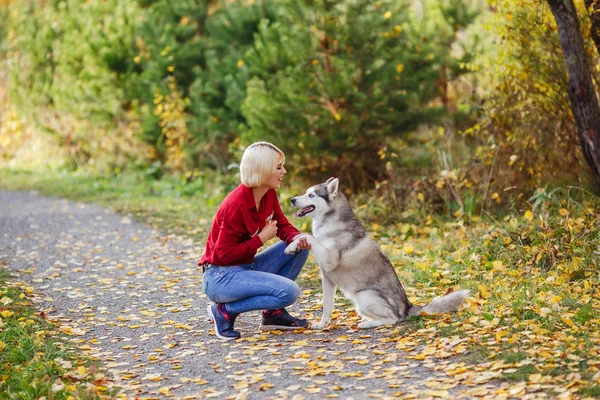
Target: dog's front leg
{"points": [[326, 259], [328, 300]]}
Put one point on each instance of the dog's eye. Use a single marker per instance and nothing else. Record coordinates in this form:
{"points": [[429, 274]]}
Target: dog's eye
{"points": [[311, 195]]}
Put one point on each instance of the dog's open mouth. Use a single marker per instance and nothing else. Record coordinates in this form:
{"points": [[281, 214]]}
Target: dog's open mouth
{"points": [[305, 210]]}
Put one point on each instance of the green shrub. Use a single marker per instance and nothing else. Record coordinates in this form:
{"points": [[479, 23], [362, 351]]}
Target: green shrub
{"points": [[332, 82], [189, 82], [219, 89]]}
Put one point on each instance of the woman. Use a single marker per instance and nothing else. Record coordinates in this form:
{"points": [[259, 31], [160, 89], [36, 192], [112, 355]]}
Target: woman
{"points": [[237, 279]]}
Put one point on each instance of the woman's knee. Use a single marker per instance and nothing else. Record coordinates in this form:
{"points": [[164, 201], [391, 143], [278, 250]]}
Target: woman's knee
{"points": [[290, 293]]}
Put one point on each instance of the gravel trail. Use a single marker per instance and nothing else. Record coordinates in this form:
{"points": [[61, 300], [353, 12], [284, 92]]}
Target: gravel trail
{"points": [[131, 297]]}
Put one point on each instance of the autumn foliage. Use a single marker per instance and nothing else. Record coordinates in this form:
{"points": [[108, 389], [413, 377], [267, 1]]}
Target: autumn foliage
{"points": [[451, 104]]}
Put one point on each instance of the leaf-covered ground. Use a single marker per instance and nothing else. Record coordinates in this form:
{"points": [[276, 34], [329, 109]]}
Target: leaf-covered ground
{"points": [[131, 297]]}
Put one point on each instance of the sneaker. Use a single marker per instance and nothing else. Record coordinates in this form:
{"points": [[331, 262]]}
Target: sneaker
{"points": [[281, 319], [223, 323]]}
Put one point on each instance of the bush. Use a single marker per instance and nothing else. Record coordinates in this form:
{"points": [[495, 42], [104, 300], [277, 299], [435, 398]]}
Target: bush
{"points": [[63, 79], [219, 88], [526, 129], [333, 82]]}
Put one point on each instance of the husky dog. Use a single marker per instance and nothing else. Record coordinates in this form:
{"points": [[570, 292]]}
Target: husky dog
{"points": [[351, 260]]}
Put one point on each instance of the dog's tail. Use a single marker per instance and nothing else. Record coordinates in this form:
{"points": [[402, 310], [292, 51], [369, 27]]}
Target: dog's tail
{"points": [[448, 303]]}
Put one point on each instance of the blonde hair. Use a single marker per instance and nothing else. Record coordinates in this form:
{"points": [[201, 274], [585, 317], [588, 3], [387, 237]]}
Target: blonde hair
{"points": [[258, 162]]}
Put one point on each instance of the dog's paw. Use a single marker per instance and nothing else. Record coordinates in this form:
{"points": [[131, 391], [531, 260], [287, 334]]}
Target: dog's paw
{"points": [[366, 325], [320, 326], [291, 248]]}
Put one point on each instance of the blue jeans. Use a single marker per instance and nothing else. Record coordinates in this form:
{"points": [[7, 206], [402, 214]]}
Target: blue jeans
{"points": [[266, 284]]}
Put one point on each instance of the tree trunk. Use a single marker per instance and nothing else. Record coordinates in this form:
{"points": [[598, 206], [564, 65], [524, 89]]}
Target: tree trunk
{"points": [[582, 94], [593, 8]]}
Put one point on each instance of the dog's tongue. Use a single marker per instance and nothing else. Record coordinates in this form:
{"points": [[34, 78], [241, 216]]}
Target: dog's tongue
{"points": [[301, 213]]}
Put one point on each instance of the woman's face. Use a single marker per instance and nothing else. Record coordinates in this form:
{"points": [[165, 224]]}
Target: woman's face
{"points": [[274, 180]]}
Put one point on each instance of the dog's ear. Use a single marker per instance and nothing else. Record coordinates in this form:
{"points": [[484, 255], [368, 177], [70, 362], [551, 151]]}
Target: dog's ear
{"points": [[329, 180], [332, 186]]}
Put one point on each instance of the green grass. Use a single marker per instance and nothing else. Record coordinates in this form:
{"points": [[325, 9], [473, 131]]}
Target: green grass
{"points": [[36, 360], [521, 374], [510, 357], [476, 355], [592, 391]]}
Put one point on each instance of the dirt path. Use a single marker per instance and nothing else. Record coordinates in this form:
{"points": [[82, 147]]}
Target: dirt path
{"points": [[132, 297]]}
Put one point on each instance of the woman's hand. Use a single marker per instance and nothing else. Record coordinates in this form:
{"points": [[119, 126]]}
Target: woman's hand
{"points": [[269, 231], [302, 242]]}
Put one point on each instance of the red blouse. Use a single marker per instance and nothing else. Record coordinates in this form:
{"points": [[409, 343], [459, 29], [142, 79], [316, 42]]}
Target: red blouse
{"points": [[233, 238]]}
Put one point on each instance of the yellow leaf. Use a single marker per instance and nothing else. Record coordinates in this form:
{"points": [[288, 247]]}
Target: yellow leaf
{"points": [[165, 390], [568, 321], [563, 212], [534, 378], [242, 396], [387, 15], [538, 257], [81, 370], [437, 393], [2, 345], [265, 386], [499, 335], [240, 63], [545, 311], [399, 68], [241, 385], [483, 292], [517, 391], [528, 215], [408, 249], [6, 313]]}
